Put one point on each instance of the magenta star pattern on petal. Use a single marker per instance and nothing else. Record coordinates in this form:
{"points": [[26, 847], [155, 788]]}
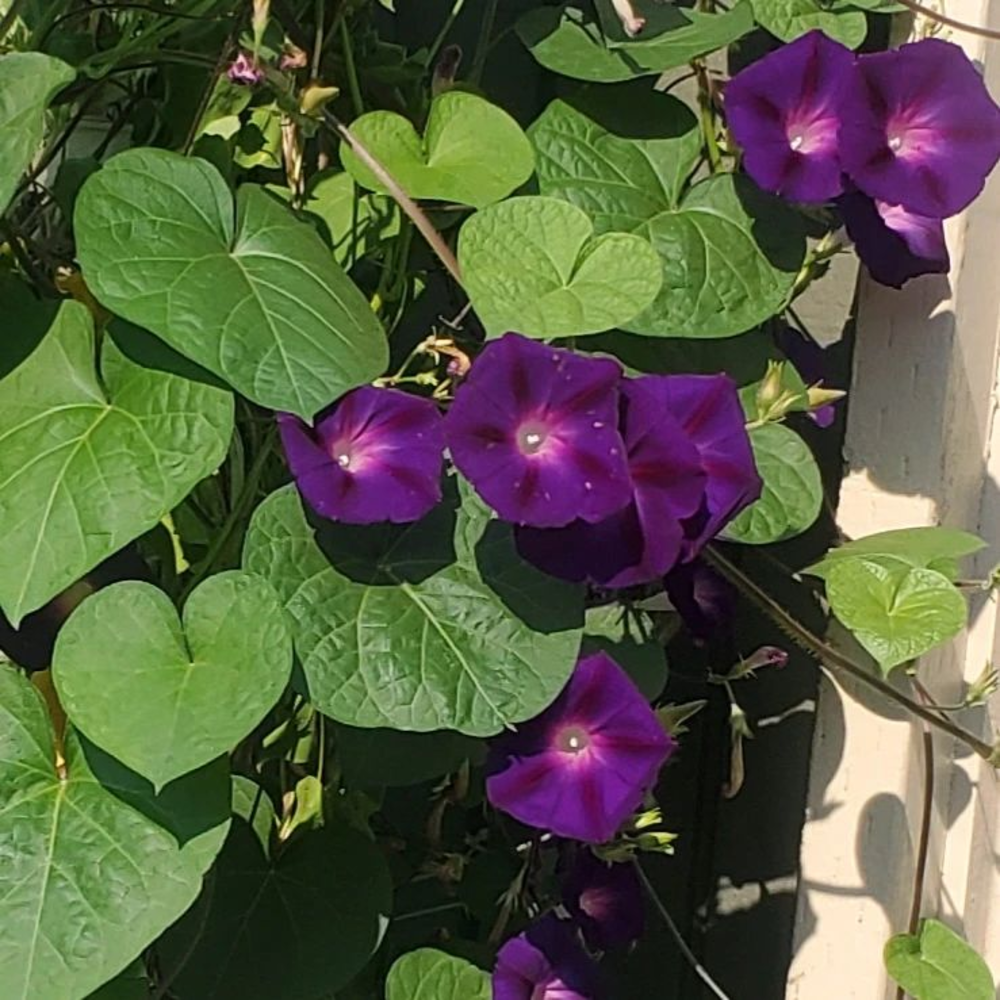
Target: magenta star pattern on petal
{"points": [[377, 456], [919, 128], [640, 543], [534, 429], [784, 111], [708, 408], [546, 962], [894, 244], [605, 901], [581, 768]]}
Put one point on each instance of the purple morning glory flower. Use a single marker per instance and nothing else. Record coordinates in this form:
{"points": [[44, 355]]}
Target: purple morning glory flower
{"points": [[705, 601], [581, 768], [784, 110], [546, 962], [919, 128], [244, 70], [535, 430], [605, 901], [893, 243], [641, 542], [708, 408], [377, 456]]}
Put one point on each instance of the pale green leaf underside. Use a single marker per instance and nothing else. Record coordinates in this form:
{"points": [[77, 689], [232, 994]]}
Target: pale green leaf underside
{"points": [[441, 653], [87, 881], [193, 691], [472, 152], [428, 974], [247, 291], [793, 490], [937, 964], [28, 81], [82, 473], [896, 612], [534, 266]]}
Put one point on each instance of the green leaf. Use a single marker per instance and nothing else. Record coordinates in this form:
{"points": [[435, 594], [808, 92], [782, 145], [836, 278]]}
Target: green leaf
{"points": [[569, 41], [248, 292], [356, 223], [533, 264], [427, 974], [254, 806], [620, 183], [26, 321], [896, 612], [609, 630], [789, 19], [78, 445], [729, 256], [472, 152], [91, 879], [296, 927], [928, 547], [936, 964], [392, 758], [28, 81], [793, 490], [404, 633], [193, 690]]}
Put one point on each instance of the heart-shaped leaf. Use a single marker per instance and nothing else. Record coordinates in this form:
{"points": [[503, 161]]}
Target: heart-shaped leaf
{"points": [[569, 41], [788, 19], [897, 612], [793, 490], [90, 460], [247, 291], [28, 81], [533, 265], [406, 633], [92, 872], [428, 974], [472, 152], [325, 899], [193, 691], [936, 964], [620, 183], [730, 257]]}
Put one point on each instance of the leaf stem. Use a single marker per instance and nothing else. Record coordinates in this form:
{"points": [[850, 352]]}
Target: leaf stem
{"points": [[352, 71], [685, 950], [438, 44], [483, 43], [951, 22], [831, 657], [405, 202]]}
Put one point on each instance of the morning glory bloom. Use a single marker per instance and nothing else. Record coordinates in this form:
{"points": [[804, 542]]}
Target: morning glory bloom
{"points": [[546, 962], [893, 243], [582, 767], [535, 430], [643, 541], [244, 70], [605, 901], [376, 456], [919, 129], [784, 111], [708, 408]]}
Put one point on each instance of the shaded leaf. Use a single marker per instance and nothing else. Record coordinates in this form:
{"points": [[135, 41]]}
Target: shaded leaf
{"points": [[248, 292]]}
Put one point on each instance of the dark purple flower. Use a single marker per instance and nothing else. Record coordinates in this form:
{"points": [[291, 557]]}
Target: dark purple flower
{"points": [[784, 110], [546, 962], [376, 457], [641, 542], [581, 768], [244, 70], [705, 601], [919, 128], [534, 429], [605, 901], [708, 408], [894, 244]]}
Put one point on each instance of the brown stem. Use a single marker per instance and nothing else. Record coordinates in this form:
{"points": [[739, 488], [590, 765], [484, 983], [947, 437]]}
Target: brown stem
{"points": [[972, 29], [405, 202], [829, 656]]}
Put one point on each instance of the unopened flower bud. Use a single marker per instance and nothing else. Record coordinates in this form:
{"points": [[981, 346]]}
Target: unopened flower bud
{"points": [[261, 15], [293, 58], [245, 71], [314, 96], [765, 656], [817, 396], [983, 687]]}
